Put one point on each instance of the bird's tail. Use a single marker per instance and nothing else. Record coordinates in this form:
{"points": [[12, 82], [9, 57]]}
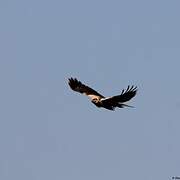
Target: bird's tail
{"points": [[124, 105]]}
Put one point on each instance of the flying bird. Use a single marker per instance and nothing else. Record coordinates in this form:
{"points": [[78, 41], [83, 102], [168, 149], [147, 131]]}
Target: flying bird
{"points": [[99, 100]]}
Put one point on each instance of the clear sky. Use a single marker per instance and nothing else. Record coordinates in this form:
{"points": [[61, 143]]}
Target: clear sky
{"points": [[48, 131]]}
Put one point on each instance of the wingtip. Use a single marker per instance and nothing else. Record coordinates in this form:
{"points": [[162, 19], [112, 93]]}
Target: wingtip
{"points": [[72, 79], [69, 80], [133, 88], [73, 83]]}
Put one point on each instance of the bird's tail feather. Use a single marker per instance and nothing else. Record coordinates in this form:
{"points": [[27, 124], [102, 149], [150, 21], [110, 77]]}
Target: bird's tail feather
{"points": [[124, 105]]}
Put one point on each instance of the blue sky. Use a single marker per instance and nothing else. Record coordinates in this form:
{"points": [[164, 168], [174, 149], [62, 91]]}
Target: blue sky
{"points": [[48, 131]]}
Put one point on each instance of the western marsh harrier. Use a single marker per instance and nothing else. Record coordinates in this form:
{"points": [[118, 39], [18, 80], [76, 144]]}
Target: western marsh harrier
{"points": [[99, 100]]}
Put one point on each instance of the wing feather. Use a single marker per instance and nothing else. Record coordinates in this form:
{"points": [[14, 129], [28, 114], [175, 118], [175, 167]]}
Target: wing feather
{"points": [[77, 86], [125, 95]]}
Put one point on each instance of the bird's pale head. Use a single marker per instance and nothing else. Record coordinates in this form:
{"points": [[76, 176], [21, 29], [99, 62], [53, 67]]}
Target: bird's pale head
{"points": [[95, 100]]}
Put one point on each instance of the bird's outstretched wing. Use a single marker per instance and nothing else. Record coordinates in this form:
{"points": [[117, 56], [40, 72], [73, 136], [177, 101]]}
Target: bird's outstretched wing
{"points": [[81, 88], [125, 95]]}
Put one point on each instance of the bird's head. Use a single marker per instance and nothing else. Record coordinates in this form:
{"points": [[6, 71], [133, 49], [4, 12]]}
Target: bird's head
{"points": [[95, 100]]}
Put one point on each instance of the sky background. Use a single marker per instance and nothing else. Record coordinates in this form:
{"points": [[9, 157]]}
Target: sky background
{"points": [[48, 131]]}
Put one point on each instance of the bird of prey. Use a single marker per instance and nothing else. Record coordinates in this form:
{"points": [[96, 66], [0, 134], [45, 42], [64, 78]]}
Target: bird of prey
{"points": [[99, 100]]}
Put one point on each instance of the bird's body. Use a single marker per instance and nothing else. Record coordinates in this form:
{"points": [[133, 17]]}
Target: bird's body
{"points": [[99, 100]]}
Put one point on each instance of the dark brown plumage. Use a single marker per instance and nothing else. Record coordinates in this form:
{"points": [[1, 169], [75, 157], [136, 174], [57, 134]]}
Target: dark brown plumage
{"points": [[99, 100]]}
